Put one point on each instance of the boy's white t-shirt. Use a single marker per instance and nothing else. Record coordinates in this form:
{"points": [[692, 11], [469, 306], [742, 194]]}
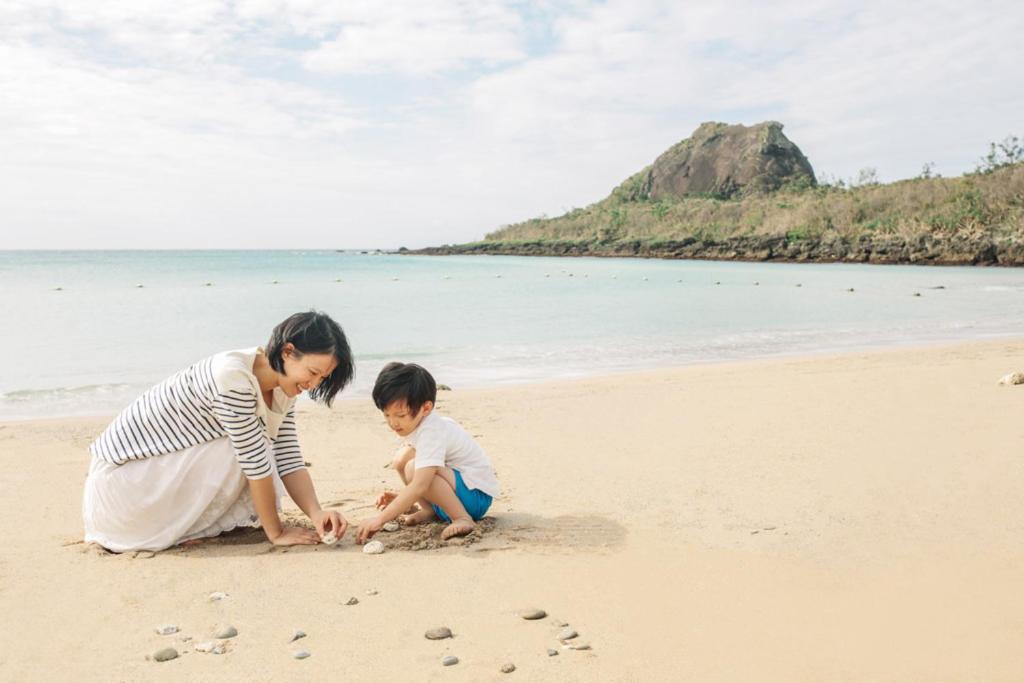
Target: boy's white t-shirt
{"points": [[442, 442]]}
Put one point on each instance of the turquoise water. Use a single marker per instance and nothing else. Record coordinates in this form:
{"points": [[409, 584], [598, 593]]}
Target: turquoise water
{"points": [[94, 344]]}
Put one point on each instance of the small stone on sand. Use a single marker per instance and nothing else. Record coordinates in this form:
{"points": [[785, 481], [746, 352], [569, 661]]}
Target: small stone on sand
{"points": [[166, 630], [531, 614], [217, 595], [226, 632], [508, 667], [373, 548], [1012, 378], [165, 655], [450, 660], [296, 634], [372, 592], [300, 654], [391, 526], [352, 601], [439, 633], [552, 652], [567, 633], [579, 646], [329, 538]]}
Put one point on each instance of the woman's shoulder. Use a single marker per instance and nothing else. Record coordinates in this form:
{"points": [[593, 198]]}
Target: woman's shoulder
{"points": [[233, 369]]}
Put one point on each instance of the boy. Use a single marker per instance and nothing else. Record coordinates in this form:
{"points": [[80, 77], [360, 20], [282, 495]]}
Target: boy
{"points": [[442, 467]]}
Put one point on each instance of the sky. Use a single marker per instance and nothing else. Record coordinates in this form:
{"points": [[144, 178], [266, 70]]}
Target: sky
{"points": [[314, 124]]}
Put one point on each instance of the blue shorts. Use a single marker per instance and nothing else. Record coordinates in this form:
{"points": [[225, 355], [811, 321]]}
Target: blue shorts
{"points": [[475, 501]]}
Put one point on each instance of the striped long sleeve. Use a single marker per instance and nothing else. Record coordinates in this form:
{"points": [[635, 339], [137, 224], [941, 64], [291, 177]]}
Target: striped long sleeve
{"points": [[235, 409], [287, 453]]}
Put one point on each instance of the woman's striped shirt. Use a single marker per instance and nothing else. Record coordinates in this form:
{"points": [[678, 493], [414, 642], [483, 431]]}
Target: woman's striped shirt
{"points": [[216, 397]]}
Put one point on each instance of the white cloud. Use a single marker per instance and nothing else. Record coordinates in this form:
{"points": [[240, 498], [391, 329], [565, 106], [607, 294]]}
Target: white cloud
{"points": [[214, 123]]}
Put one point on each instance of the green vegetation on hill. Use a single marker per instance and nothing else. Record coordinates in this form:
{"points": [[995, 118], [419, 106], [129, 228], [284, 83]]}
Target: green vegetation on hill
{"points": [[975, 218]]}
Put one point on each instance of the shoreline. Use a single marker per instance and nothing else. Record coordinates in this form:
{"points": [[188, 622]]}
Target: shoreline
{"points": [[305, 405]]}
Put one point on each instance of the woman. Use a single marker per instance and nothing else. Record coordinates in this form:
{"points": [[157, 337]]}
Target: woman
{"points": [[208, 449]]}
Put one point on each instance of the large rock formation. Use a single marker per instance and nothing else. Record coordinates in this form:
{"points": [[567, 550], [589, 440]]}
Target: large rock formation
{"points": [[723, 161]]}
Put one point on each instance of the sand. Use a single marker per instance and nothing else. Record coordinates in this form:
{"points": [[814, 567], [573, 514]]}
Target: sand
{"points": [[856, 517]]}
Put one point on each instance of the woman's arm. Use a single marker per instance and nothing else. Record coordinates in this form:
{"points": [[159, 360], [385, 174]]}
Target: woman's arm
{"points": [[300, 488], [264, 499]]}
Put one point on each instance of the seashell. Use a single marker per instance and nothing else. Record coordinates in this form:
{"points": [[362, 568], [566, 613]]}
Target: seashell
{"points": [[373, 548], [329, 538], [298, 633], [300, 654], [391, 526], [216, 595], [166, 629], [210, 647]]}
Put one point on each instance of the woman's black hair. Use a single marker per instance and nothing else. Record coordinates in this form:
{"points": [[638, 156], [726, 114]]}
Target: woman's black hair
{"points": [[404, 382], [314, 332]]}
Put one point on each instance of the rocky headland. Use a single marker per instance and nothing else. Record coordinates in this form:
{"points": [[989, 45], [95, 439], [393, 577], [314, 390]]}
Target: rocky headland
{"points": [[734, 192]]}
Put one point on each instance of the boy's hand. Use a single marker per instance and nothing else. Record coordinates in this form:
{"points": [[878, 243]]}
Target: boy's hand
{"points": [[330, 520], [385, 498], [368, 528]]}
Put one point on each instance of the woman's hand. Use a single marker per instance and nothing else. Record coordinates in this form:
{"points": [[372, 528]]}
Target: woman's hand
{"points": [[368, 528], [329, 521], [295, 535]]}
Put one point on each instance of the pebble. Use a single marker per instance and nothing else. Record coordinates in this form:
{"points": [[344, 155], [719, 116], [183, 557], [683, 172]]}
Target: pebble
{"points": [[352, 601], [579, 646], [552, 652], [372, 591], [226, 632], [531, 614], [508, 667], [450, 660], [329, 538], [439, 633], [166, 630], [217, 595], [567, 633], [296, 634], [165, 655], [443, 387], [373, 548], [391, 526], [300, 654]]}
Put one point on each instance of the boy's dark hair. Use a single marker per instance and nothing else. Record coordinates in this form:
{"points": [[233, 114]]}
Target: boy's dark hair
{"points": [[314, 332], [404, 381]]}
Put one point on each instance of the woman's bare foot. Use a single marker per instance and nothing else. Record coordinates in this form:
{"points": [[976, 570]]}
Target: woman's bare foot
{"points": [[458, 527], [418, 517]]}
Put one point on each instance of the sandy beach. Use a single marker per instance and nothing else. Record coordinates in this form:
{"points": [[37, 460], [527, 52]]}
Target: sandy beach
{"points": [[855, 517]]}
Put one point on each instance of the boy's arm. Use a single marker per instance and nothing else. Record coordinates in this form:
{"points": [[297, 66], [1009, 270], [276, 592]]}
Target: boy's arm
{"points": [[403, 501]]}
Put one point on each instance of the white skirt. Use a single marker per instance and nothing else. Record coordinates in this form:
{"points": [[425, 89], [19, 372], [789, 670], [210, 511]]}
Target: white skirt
{"points": [[164, 500]]}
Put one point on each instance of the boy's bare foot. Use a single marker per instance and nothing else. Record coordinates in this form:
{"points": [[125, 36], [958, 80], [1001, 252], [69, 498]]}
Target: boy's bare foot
{"points": [[458, 527], [418, 517]]}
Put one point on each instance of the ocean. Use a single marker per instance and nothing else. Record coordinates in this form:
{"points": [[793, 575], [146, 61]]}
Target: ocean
{"points": [[84, 332]]}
